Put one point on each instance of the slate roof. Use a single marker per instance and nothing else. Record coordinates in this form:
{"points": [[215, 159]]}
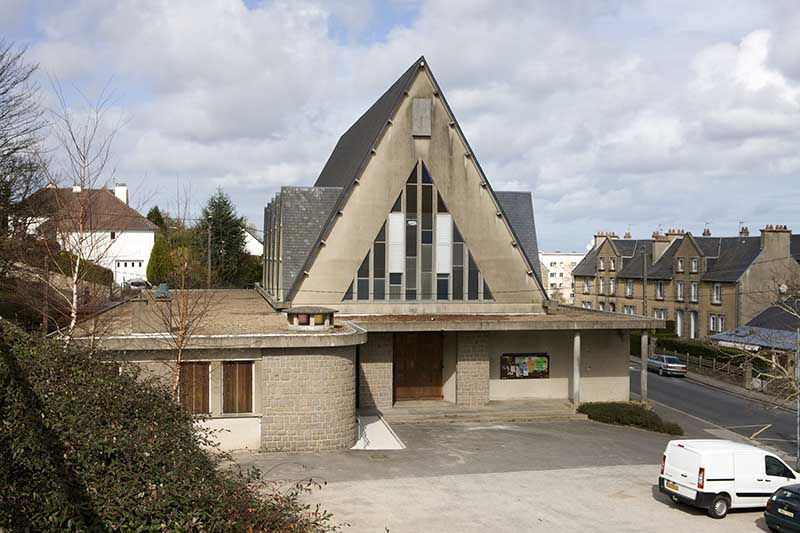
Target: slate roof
{"points": [[628, 249], [304, 212], [518, 207], [355, 145], [736, 254], [103, 211], [795, 247], [588, 265], [775, 327], [632, 257]]}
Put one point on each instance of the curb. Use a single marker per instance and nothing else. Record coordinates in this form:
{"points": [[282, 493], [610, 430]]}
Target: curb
{"points": [[736, 393]]}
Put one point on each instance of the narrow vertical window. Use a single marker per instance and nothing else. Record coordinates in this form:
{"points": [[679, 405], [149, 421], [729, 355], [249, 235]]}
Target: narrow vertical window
{"points": [[193, 386], [379, 266], [363, 279], [472, 280], [237, 387]]}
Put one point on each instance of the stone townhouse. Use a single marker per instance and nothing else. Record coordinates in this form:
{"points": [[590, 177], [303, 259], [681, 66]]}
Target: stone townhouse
{"points": [[435, 283], [704, 284]]}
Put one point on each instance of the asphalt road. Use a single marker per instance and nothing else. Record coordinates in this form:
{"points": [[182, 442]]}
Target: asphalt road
{"points": [[743, 416]]}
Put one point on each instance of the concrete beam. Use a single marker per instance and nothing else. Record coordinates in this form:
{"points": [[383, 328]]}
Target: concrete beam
{"points": [[645, 355], [575, 393]]}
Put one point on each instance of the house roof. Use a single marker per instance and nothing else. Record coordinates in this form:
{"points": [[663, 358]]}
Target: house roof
{"points": [[103, 211], [736, 254], [776, 327], [518, 206], [628, 249]]}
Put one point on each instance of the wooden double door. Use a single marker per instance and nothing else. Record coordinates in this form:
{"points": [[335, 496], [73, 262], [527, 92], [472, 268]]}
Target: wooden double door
{"points": [[418, 366]]}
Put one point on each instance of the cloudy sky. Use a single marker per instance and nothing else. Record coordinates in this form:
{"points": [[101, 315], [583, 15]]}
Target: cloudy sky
{"points": [[616, 114]]}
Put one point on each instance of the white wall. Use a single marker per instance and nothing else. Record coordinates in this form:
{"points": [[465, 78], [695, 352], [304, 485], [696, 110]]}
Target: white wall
{"points": [[252, 245], [560, 273], [235, 433], [126, 255]]}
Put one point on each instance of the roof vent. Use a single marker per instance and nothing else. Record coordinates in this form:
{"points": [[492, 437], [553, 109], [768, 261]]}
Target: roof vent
{"points": [[310, 318]]}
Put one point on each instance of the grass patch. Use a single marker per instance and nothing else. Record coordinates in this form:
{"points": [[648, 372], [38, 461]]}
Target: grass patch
{"points": [[629, 414]]}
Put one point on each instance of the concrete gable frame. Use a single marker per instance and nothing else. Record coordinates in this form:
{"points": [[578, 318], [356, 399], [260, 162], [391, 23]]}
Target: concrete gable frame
{"points": [[364, 204]]}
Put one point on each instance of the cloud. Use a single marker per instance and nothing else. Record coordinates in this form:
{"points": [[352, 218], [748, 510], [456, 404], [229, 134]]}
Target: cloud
{"points": [[614, 114]]}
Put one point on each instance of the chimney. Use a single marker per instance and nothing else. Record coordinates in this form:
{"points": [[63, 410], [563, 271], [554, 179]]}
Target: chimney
{"points": [[673, 234], [121, 192], [744, 231], [776, 241], [600, 235], [627, 235], [706, 232], [660, 245], [76, 188]]}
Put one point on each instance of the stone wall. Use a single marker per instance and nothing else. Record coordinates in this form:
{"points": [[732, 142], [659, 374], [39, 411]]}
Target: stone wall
{"points": [[472, 368], [375, 372], [308, 399]]}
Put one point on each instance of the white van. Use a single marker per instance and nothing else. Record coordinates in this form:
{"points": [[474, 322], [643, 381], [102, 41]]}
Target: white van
{"points": [[719, 475]]}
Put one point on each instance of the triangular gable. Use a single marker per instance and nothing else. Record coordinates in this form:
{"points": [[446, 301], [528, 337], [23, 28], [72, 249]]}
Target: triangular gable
{"points": [[418, 254], [364, 131]]}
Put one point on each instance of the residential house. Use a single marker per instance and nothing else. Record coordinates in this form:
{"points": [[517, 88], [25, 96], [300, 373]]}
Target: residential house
{"points": [[435, 280], [776, 328], [558, 278], [99, 224], [252, 243], [704, 284]]}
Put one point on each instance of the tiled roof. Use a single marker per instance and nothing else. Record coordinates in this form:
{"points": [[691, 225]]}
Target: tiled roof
{"points": [[518, 207], [102, 210], [304, 211], [355, 145]]}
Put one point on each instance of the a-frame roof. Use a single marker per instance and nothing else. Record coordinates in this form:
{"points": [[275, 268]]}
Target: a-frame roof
{"points": [[353, 148], [352, 152]]}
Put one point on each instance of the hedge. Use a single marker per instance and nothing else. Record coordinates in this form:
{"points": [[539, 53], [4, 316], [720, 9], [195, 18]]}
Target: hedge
{"points": [[628, 414], [84, 447], [675, 344]]}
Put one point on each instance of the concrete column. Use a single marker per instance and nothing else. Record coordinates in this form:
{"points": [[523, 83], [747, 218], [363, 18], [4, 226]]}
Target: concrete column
{"points": [[645, 355], [576, 368]]}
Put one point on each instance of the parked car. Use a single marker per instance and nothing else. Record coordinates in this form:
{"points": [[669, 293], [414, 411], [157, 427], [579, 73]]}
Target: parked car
{"points": [[783, 509], [666, 364], [719, 475], [138, 284]]}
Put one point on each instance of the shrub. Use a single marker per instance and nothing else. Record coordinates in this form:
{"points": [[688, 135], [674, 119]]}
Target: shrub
{"points": [[85, 447], [628, 414]]}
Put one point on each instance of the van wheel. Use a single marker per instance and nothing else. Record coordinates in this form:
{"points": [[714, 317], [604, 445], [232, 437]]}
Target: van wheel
{"points": [[719, 506], [660, 371]]}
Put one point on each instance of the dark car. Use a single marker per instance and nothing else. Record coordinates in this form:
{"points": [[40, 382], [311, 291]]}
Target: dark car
{"points": [[783, 509]]}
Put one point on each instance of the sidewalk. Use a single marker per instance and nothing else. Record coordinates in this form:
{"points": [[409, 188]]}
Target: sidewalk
{"points": [[733, 389]]}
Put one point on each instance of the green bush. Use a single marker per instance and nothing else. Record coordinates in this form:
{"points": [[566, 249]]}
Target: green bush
{"points": [[84, 447], [628, 414]]}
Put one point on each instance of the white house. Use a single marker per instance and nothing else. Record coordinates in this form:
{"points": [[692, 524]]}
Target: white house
{"points": [[252, 243], [101, 225], [557, 269]]}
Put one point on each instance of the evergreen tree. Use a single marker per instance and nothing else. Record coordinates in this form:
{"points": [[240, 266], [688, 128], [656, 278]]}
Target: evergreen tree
{"points": [[156, 217], [160, 265], [227, 239]]}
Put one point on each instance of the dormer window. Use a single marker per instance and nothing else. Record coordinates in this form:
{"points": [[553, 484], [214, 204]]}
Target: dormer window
{"points": [[681, 264]]}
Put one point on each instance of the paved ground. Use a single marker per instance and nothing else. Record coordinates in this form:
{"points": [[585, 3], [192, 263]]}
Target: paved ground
{"points": [[740, 415], [570, 476]]}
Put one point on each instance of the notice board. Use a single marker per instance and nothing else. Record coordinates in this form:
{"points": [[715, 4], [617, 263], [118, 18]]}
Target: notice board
{"points": [[524, 366]]}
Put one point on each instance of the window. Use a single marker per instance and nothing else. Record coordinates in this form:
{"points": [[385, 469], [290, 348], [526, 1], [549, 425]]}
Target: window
{"points": [[612, 307], [552, 274], [712, 323], [679, 291], [629, 309], [692, 324], [716, 294], [585, 285], [721, 322], [601, 306], [602, 263], [602, 286], [775, 467], [612, 286], [193, 387], [553, 285], [560, 274], [694, 290], [680, 264], [629, 288], [553, 264], [237, 387], [659, 290], [113, 235], [363, 279], [695, 264], [660, 314], [679, 323], [613, 261]]}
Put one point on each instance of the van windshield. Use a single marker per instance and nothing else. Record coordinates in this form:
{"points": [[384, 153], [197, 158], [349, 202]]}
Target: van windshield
{"points": [[673, 360]]}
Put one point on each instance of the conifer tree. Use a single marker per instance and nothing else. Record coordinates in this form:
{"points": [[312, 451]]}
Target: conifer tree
{"points": [[160, 265], [227, 239]]}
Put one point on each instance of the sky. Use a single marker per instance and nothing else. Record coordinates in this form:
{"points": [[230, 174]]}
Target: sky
{"points": [[618, 115]]}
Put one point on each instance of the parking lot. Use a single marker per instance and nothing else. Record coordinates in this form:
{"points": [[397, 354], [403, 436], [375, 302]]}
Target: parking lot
{"points": [[566, 476]]}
